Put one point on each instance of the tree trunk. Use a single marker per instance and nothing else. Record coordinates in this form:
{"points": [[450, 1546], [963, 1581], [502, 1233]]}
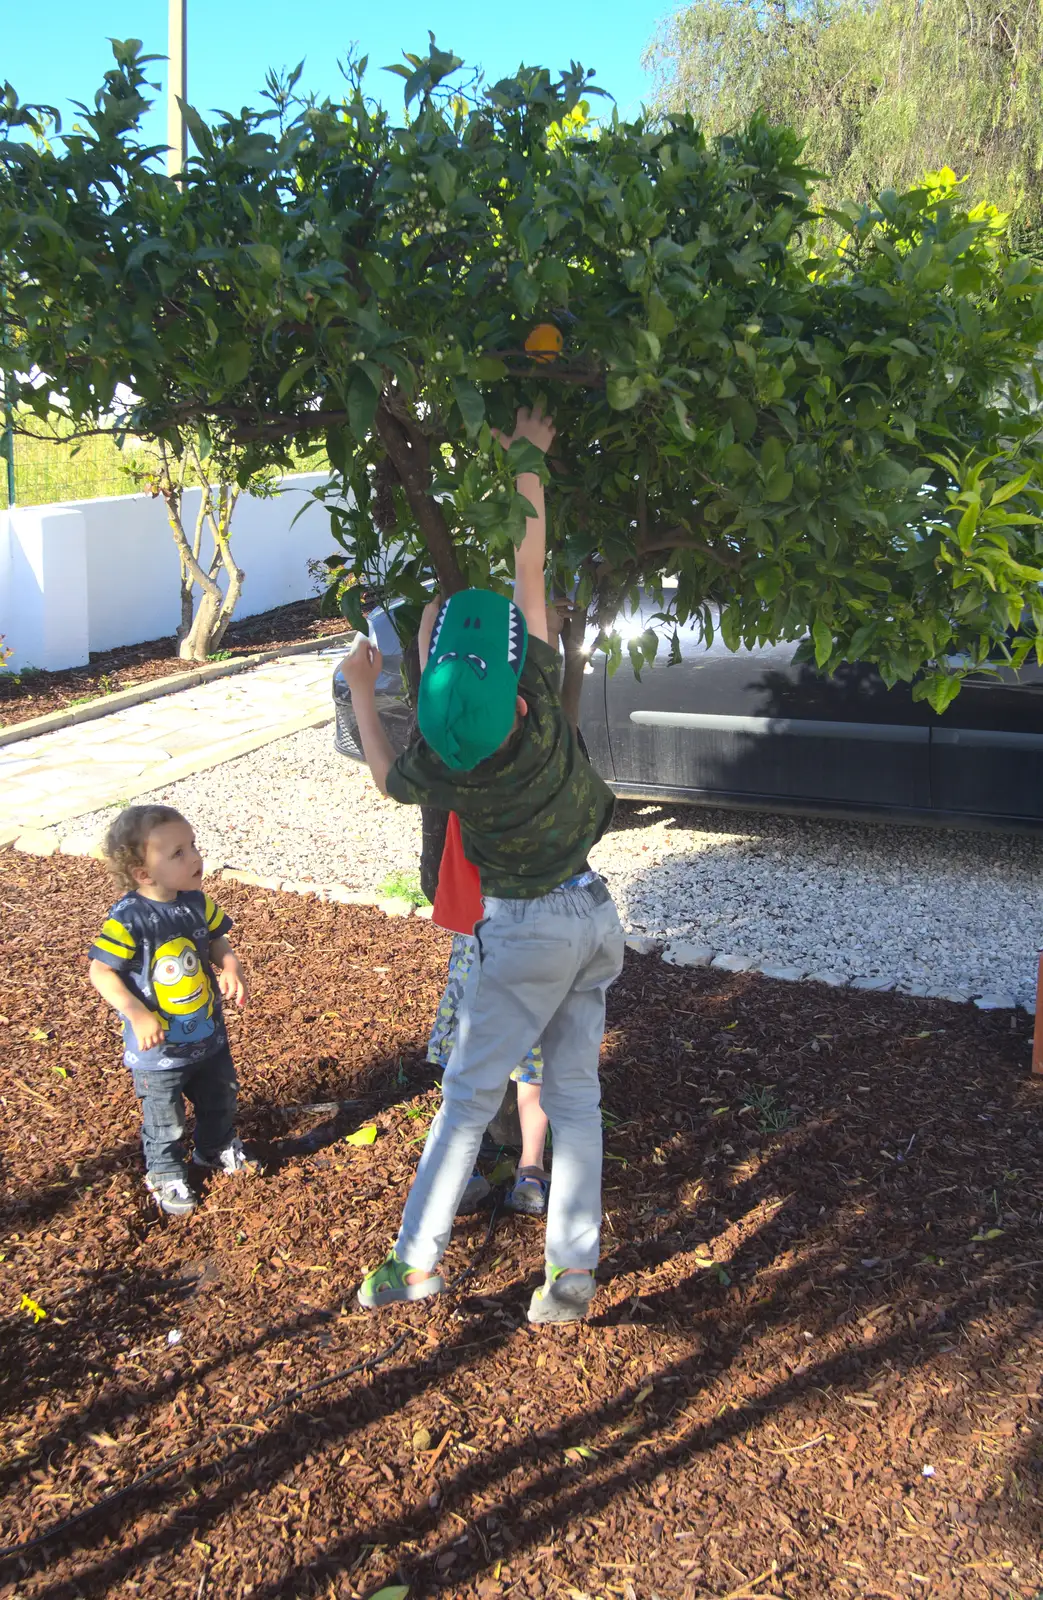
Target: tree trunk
{"points": [[216, 610], [409, 451], [185, 625], [195, 646]]}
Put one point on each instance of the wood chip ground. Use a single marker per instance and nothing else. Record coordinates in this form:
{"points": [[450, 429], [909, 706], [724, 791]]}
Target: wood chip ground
{"points": [[813, 1367]]}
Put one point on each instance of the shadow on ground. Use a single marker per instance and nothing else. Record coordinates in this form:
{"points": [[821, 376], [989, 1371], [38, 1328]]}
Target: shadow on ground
{"points": [[812, 1368]]}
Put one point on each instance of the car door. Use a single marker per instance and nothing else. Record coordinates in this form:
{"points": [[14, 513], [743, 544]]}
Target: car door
{"points": [[754, 726], [987, 750]]}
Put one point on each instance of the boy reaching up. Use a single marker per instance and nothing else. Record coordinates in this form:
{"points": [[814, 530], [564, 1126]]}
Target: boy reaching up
{"points": [[496, 749]]}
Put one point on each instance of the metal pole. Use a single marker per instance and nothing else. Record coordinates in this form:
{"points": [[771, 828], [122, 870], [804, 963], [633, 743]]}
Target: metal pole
{"points": [[177, 85], [8, 419]]}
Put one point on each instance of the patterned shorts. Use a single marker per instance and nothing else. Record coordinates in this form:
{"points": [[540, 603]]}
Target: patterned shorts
{"points": [[443, 1033]]}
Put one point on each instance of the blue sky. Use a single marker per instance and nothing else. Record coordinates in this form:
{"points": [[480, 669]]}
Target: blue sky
{"points": [[60, 53]]}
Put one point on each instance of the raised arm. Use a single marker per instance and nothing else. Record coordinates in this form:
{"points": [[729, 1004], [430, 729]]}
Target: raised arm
{"points": [[530, 579], [361, 669], [426, 629]]}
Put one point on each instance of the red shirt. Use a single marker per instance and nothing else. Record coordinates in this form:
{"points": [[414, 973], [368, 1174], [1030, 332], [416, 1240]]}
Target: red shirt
{"points": [[458, 898]]}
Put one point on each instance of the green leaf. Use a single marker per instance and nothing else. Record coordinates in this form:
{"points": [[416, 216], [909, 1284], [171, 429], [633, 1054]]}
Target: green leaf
{"points": [[526, 294], [362, 405], [681, 414], [490, 368], [289, 378], [471, 403], [524, 456], [1010, 489], [822, 634], [393, 1591], [361, 1136], [941, 692], [197, 128], [730, 627], [267, 258], [351, 608], [768, 582], [779, 485], [142, 251], [236, 362], [622, 392]]}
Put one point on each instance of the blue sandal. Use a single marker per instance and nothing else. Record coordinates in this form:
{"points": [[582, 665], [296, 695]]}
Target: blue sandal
{"points": [[529, 1192]]}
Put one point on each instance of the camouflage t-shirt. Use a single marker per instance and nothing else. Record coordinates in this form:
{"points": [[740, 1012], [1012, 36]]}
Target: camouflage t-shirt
{"points": [[530, 813]]}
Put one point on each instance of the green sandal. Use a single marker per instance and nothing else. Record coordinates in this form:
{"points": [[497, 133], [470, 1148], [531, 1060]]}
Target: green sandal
{"points": [[564, 1297], [387, 1285]]}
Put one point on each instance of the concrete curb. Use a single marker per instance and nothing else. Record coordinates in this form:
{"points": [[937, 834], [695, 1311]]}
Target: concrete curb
{"points": [[123, 699], [683, 953]]}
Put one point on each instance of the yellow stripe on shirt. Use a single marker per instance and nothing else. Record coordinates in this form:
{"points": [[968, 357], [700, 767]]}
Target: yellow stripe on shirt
{"points": [[116, 938], [111, 949], [214, 915]]}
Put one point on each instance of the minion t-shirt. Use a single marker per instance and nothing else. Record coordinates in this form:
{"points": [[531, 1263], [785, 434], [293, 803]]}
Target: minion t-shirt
{"points": [[161, 950]]}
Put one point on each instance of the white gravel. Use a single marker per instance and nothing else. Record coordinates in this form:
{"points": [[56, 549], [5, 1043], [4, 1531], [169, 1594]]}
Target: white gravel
{"points": [[293, 809], [927, 909], [923, 909]]}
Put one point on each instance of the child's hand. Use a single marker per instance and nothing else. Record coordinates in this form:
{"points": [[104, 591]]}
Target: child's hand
{"points": [[231, 982], [362, 665], [149, 1029], [531, 425]]}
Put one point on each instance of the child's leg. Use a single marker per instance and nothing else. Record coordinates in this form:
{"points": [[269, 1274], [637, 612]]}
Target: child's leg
{"points": [[571, 1094], [533, 1121], [213, 1090], [443, 1030], [162, 1120], [528, 1193], [440, 1047], [527, 967]]}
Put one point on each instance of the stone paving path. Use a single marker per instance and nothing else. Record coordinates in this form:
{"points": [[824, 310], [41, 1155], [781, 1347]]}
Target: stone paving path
{"points": [[54, 776]]}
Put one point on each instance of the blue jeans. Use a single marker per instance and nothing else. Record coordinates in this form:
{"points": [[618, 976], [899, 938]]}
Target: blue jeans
{"points": [[542, 972], [211, 1086]]}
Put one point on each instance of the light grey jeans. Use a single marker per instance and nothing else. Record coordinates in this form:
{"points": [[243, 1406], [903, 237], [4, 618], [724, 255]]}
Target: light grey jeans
{"points": [[542, 972]]}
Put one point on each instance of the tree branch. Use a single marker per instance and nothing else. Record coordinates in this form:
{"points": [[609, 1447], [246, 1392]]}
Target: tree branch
{"points": [[413, 464]]}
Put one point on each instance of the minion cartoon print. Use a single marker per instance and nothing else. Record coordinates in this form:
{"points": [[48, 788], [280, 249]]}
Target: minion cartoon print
{"points": [[184, 994], [161, 951]]}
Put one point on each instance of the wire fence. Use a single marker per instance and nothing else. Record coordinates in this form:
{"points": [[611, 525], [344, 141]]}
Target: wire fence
{"points": [[47, 471]]}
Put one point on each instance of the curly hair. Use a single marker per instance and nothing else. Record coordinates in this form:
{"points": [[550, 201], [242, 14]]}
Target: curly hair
{"points": [[127, 838]]}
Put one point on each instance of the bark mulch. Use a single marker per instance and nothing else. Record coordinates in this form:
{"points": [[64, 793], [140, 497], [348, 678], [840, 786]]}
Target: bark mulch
{"points": [[813, 1367], [35, 694]]}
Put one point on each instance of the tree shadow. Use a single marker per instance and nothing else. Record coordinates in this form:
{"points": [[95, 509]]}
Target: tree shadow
{"points": [[761, 1274]]}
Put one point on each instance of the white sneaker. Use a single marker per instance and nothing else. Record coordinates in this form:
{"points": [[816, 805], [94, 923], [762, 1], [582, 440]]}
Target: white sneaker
{"points": [[171, 1194], [233, 1158]]}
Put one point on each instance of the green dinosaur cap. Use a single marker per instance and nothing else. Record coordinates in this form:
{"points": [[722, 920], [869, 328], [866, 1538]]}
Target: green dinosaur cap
{"points": [[469, 688]]}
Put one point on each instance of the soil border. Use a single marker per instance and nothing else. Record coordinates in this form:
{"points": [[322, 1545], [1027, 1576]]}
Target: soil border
{"points": [[102, 705]]}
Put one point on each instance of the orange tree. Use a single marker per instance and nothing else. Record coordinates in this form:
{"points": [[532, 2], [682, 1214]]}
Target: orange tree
{"points": [[829, 442]]}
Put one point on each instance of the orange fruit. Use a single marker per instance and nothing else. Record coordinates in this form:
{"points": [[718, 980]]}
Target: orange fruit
{"points": [[544, 342]]}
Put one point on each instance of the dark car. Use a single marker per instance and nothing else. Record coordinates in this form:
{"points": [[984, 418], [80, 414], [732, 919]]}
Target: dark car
{"points": [[756, 729]]}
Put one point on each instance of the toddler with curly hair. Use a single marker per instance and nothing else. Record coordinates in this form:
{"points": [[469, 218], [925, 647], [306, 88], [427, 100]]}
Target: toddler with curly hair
{"points": [[155, 961]]}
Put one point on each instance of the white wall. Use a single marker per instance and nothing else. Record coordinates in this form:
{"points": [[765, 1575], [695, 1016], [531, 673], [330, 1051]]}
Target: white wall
{"points": [[93, 574]]}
